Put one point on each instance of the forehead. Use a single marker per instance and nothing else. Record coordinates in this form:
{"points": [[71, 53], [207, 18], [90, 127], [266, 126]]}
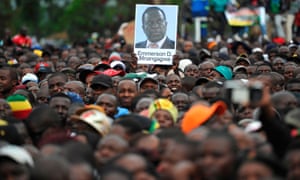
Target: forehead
{"points": [[191, 66], [148, 82], [56, 79], [127, 83], [216, 143], [107, 97], [153, 13], [206, 64], [289, 67], [4, 72], [59, 100], [264, 67], [180, 96], [173, 77], [278, 60]]}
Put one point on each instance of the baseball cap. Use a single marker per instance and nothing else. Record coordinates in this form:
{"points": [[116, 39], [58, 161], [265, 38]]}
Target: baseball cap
{"points": [[42, 67], [255, 50], [96, 119], [225, 71], [199, 114], [103, 80], [148, 79], [17, 154], [29, 77], [117, 64], [242, 58]]}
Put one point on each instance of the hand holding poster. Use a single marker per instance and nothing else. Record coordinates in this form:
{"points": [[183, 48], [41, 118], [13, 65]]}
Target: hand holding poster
{"points": [[155, 33]]}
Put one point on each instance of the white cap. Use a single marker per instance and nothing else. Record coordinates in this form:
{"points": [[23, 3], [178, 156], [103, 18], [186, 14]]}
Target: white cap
{"points": [[183, 63], [29, 77], [257, 50], [17, 154], [115, 63]]}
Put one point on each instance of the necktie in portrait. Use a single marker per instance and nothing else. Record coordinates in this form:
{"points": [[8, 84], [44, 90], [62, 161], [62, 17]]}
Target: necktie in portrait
{"points": [[153, 45]]}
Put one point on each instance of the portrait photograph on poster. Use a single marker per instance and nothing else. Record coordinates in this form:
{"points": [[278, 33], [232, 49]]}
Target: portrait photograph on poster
{"points": [[155, 33]]}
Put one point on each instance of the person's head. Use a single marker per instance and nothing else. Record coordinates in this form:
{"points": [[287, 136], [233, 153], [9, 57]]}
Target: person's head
{"points": [[73, 62], [60, 103], [8, 80], [191, 70], [288, 71], [5, 109], [263, 68], [76, 87], [173, 82], [91, 119], [218, 155], [284, 101], [143, 104], [109, 102], [154, 24], [205, 68], [164, 112], [221, 72], [52, 167], [60, 65], [42, 120], [182, 150], [293, 85], [148, 83], [56, 82], [260, 167], [126, 91], [109, 147], [211, 90], [127, 126], [278, 64], [42, 96], [100, 84], [180, 100], [15, 163], [136, 164], [277, 81]]}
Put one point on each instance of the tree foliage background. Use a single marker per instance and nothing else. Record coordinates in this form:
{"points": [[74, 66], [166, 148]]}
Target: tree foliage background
{"points": [[75, 17]]}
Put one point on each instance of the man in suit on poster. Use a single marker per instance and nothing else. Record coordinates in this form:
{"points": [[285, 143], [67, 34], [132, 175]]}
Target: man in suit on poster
{"points": [[155, 27]]}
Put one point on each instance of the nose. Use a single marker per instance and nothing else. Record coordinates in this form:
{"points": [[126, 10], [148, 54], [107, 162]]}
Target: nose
{"points": [[59, 109], [163, 167], [207, 161]]}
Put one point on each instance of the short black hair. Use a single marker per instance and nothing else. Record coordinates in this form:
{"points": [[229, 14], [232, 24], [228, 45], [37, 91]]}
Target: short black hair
{"points": [[153, 8], [58, 74], [63, 95]]}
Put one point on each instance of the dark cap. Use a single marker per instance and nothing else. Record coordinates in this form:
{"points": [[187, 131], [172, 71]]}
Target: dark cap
{"points": [[102, 80], [42, 67]]}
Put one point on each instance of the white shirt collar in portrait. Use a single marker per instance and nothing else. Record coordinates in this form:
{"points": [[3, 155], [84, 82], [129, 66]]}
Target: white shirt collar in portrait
{"points": [[159, 43]]}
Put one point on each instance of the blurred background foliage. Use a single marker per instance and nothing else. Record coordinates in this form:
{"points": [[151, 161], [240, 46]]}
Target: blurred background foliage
{"points": [[71, 19]]}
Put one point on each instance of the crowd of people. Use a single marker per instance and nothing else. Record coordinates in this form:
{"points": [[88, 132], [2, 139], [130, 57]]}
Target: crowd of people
{"points": [[223, 110], [273, 18]]}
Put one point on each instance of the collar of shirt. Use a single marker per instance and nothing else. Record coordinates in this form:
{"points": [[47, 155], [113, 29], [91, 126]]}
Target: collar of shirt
{"points": [[159, 43]]}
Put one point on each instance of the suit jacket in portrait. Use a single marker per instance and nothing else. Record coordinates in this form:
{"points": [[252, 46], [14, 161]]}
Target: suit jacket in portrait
{"points": [[168, 44]]}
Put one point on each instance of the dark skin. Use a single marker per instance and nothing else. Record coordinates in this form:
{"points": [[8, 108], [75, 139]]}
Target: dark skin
{"points": [[7, 83], [109, 104], [126, 91]]}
